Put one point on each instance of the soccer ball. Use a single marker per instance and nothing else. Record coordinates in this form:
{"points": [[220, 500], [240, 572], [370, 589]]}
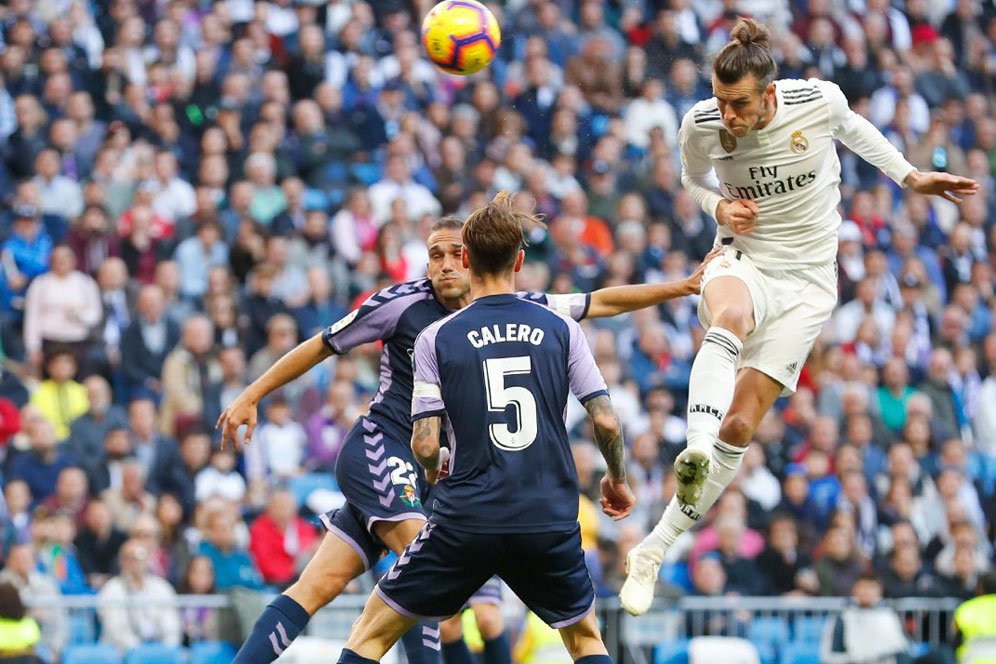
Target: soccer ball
{"points": [[460, 36]]}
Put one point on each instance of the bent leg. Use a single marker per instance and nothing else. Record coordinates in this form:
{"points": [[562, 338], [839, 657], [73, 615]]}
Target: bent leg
{"points": [[583, 639], [421, 642], [455, 649], [377, 629], [333, 566], [491, 625]]}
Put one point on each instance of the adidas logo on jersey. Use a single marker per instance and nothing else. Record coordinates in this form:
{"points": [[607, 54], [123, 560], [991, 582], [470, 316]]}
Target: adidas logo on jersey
{"points": [[792, 367]]}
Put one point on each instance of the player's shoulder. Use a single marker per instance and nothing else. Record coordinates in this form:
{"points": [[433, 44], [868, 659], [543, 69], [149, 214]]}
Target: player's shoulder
{"points": [[572, 305], [701, 113], [415, 289], [802, 94]]}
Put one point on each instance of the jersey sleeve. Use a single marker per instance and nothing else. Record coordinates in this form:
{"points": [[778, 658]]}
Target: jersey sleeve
{"points": [[374, 320], [427, 396], [582, 372], [697, 174], [861, 136], [572, 305]]}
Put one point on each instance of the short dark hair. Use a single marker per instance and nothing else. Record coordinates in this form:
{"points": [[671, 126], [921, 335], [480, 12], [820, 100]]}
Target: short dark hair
{"points": [[11, 605], [493, 236], [447, 224], [748, 52]]}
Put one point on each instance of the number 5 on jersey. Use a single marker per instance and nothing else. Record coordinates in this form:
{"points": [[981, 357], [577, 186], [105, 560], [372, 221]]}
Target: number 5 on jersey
{"points": [[500, 397]]}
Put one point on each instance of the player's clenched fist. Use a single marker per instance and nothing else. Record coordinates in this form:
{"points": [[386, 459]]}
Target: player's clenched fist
{"points": [[617, 499], [740, 216]]}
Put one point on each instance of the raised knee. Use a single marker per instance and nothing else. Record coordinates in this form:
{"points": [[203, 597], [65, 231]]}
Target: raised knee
{"points": [[451, 630], [737, 429], [489, 623]]}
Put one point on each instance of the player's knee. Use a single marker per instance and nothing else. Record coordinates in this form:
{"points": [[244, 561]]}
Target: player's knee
{"points": [[451, 630], [489, 621], [583, 638], [737, 429], [736, 318]]}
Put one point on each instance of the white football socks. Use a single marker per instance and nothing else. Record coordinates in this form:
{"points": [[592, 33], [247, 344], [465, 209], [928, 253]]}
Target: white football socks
{"points": [[710, 387], [710, 393], [725, 461]]}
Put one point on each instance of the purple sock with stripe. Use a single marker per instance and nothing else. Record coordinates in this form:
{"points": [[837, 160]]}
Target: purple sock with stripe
{"points": [[421, 643], [277, 627]]}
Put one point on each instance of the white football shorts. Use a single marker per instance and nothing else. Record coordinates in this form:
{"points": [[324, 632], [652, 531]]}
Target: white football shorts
{"points": [[790, 309]]}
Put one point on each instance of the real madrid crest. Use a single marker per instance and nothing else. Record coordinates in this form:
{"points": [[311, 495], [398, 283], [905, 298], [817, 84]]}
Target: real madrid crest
{"points": [[798, 142], [727, 140]]}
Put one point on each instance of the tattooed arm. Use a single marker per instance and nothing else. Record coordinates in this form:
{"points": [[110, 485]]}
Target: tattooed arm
{"points": [[617, 499], [425, 446]]}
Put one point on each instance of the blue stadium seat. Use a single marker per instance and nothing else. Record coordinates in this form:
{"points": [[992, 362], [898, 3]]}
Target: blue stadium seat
{"points": [[801, 653], [769, 631], [671, 652], [919, 649], [93, 653], [808, 629], [155, 653], [767, 653], [302, 485], [82, 628], [211, 652], [315, 199]]}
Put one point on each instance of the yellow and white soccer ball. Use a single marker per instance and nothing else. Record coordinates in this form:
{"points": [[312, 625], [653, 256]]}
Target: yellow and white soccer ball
{"points": [[461, 36]]}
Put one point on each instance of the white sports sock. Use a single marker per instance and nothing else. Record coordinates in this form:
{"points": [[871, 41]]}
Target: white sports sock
{"points": [[724, 463], [710, 387]]}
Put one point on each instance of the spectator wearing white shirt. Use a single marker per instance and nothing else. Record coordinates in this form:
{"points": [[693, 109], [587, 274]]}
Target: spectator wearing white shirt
{"points": [[398, 184], [278, 448], [57, 194], [132, 611], [648, 111], [175, 198], [884, 100], [220, 478], [197, 255]]}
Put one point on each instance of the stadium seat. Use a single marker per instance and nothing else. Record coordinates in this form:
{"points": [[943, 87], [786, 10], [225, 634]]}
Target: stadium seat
{"points": [[801, 653], [302, 485], [155, 653], [211, 652], [769, 631], [671, 652], [82, 628], [808, 629], [315, 199], [93, 653], [918, 649]]}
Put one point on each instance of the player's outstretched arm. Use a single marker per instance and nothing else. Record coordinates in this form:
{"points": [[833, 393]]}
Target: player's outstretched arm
{"points": [[617, 300], [617, 499], [425, 446], [243, 409]]}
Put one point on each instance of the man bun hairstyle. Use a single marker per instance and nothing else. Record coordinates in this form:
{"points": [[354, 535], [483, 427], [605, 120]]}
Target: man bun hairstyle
{"points": [[747, 53], [493, 236]]}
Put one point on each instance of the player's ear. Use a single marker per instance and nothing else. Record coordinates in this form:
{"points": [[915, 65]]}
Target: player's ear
{"points": [[465, 258], [519, 260]]}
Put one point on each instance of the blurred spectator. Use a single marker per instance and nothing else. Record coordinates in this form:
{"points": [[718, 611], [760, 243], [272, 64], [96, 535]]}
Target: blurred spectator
{"points": [[53, 535], [397, 184], [71, 495], [220, 478], [278, 447], [88, 431], [128, 619], [232, 564], [786, 568], [281, 541], [20, 634], [178, 475], [40, 466], [61, 307], [840, 564], [199, 623], [877, 628], [16, 525], [147, 342], [97, 544], [21, 571], [59, 398], [190, 372], [131, 499]]}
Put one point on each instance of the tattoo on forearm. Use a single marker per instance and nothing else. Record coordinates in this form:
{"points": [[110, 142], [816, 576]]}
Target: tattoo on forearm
{"points": [[608, 435], [425, 442]]}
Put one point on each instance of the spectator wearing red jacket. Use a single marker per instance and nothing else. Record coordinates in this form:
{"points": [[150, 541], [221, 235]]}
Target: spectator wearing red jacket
{"points": [[281, 541]]}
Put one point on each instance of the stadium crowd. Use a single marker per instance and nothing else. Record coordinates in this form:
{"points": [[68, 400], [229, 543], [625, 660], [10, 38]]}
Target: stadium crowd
{"points": [[191, 188]]}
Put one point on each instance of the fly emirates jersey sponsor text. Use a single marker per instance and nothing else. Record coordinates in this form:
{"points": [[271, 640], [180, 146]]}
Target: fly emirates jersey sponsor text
{"points": [[789, 168]]}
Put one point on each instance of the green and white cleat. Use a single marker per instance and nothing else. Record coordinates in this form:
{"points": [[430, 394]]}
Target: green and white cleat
{"points": [[691, 469]]}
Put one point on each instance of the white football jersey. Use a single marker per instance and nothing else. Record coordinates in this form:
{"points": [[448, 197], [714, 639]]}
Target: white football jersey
{"points": [[789, 168]]}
